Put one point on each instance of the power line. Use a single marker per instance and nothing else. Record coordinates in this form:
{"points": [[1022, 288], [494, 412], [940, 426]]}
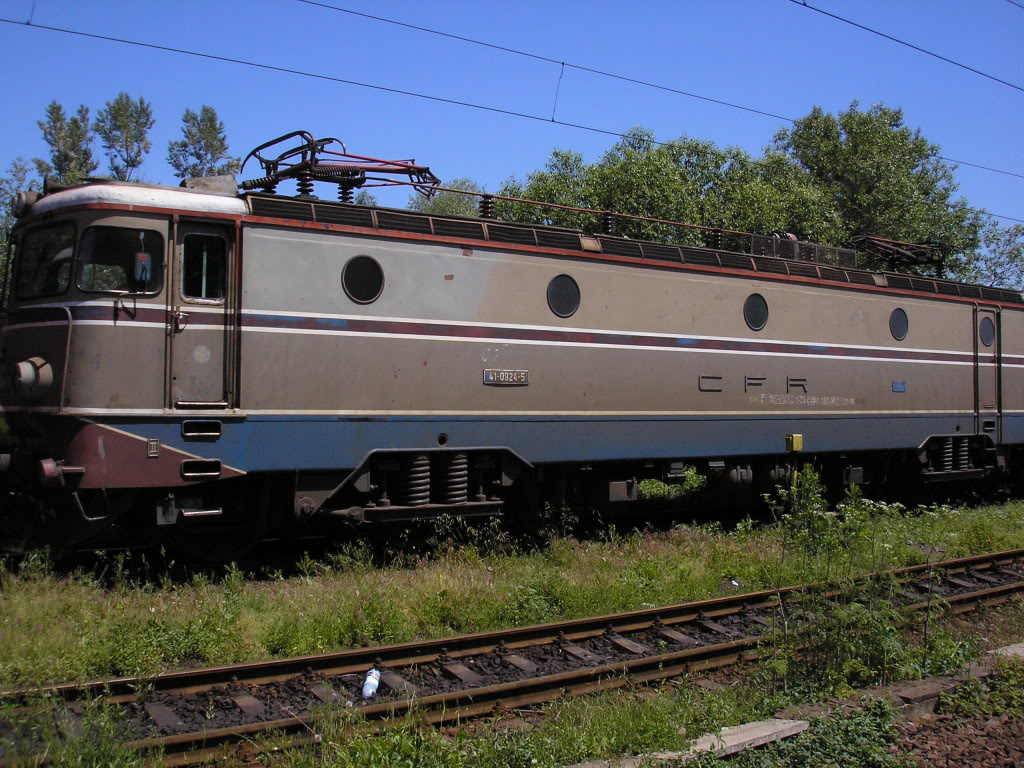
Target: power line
{"points": [[1011, 2], [983, 167], [993, 215], [580, 67], [548, 59], [803, 4], [344, 81]]}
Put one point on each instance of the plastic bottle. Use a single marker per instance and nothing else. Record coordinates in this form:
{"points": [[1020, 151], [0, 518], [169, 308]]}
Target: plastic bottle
{"points": [[371, 683]]}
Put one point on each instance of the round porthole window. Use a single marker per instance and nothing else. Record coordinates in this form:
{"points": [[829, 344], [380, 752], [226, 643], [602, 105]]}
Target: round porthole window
{"points": [[898, 324], [363, 279], [987, 331], [563, 296], [755, 311]]}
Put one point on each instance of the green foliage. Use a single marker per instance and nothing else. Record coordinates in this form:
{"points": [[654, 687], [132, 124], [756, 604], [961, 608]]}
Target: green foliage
{"points": [[98, 743], [832, 647], [826, 179], [1002, 260], [687, 484], [684, 180], [886, 179], [1001, 694], [864, 737], [364, 197], [594, 727], [11, 183], [123, 126], [203, 148], [445, 203], [62, 627], [70, 142], [801, 511]]}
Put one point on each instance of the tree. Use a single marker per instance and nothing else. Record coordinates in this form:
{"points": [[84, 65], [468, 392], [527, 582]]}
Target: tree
{"points": [[10, 184], [685, 180], [1002, 260], [445, 203], [123, 126], [365, 197], [70, 142], [826, 179], [886, 179], [203, 150]]}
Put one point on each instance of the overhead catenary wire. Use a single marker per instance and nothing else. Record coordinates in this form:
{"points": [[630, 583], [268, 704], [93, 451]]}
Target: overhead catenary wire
{"points": [[357, 83], [592, 70], [1013, 2], [919, 49], [548, 59]]}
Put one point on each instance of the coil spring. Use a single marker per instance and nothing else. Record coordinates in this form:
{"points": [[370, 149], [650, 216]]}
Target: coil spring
{"points": [[457, 489], [947, 454], [416, 481], [963, 454], [265, 183]]}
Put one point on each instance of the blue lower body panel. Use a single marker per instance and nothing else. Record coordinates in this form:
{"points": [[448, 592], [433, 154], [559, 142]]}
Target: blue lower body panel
{"points": [[275, 443]]}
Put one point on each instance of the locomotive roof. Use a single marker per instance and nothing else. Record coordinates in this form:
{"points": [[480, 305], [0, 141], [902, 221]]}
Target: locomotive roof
{"points": [[777, 258], [146, 195]]}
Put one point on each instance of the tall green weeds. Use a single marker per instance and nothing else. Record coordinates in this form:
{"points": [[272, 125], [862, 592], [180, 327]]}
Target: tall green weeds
{"points": [[57, 626]]}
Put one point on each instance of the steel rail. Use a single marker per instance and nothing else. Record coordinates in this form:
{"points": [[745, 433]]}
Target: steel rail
{"points": [[200, 747], [123, 689], [438, 709]]}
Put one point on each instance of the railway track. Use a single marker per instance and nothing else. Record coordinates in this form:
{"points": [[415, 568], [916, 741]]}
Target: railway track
{"points": [[192, 716]]}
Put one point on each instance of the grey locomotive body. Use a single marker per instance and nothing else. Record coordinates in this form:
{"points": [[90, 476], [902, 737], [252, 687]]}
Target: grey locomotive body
{"points": [[179, 359]]}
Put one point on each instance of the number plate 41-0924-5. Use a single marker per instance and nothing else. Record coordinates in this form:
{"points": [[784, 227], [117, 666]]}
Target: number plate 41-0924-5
{"points": [[501, 377]]}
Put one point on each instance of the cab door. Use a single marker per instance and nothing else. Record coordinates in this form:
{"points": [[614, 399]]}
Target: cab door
{"points": [[199, 318], [987, 373]]}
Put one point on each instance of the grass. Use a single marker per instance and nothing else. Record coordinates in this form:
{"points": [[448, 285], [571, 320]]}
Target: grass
{"points": [[636, 720], [1000, 694], [58, 627]]}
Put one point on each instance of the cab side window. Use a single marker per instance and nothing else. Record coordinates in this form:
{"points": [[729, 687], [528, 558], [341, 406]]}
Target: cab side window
{"points": [[121, 260], [204, 262]]}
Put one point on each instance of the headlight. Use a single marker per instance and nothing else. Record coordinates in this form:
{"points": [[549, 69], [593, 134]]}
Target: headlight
{"points": [[32, 374]]}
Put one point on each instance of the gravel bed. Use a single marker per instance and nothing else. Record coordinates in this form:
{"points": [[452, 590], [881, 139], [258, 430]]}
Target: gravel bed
{"points": [[980, 742]]}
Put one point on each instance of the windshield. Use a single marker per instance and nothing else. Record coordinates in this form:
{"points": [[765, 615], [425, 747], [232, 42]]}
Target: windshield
{"points": [[44, 261], [121, 259]]}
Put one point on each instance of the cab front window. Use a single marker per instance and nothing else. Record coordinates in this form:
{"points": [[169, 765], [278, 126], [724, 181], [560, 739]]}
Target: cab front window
{"points": [[44, 261], [121, 260]]}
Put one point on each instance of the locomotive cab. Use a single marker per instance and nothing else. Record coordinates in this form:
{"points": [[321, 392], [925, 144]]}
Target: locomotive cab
{"points": [[97, 319]]}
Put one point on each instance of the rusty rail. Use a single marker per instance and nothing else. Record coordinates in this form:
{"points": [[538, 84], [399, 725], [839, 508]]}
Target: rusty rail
{"points": [[123, 689], [192, 748]]}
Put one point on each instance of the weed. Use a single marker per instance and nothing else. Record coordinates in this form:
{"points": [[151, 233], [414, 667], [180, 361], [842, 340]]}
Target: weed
{"points": [[864, 737], [95, 741], [688, 483], [60, 626], [857, 640], [1001, 694]]}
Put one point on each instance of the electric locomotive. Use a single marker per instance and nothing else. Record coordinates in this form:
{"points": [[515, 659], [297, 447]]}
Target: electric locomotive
{"points": [[216, 363]]}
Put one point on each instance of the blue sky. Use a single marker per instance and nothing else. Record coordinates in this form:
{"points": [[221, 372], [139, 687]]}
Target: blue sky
{"points": [[768, 54]]}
